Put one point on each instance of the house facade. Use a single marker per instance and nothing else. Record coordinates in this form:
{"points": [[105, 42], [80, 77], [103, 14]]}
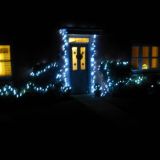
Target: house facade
{"points": [[79, 53]]}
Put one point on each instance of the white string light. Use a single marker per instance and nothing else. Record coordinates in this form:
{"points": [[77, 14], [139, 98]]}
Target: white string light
{"points": [[44, 70], [93, 63], [8, 90], [63, 75]]}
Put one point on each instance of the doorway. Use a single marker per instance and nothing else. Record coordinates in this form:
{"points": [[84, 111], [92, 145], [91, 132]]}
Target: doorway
{"points": [[79, 68]]}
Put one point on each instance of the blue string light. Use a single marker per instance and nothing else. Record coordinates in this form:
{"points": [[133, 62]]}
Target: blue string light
{"points": [[63, 75], [8, 90], [93, 63], [105, 87], [109, 84], [44, 70]]}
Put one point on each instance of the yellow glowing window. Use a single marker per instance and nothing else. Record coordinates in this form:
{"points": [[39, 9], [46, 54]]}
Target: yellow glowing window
{"points": [[135, 51], [78, 40], [154, 51], [145, 63], [83, 60], [154, 63], [74, 59], [135, 63], [5, 61], [144, 66], [145, 52]]}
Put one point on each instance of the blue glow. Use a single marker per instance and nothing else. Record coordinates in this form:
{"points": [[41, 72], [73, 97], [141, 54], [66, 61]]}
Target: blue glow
{"points": [[48, 67], [64, 72], [93, 63]]}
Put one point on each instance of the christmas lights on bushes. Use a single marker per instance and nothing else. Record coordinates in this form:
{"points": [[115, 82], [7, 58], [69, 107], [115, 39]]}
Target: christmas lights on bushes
{"points": [[8, 90], [105, 84], [44, 70], [108, 84]]}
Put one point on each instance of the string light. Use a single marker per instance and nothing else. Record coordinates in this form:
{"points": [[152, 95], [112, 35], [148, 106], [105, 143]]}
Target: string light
{"points": [[44, 70], [8, 90], [110, 84], [93, 63], [63, 75], [105, 87]]}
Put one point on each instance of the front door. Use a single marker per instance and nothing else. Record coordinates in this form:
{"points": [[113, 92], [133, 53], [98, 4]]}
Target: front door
{"points": [[79, 68]]}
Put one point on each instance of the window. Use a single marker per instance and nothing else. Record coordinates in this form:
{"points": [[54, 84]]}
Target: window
{"points": [[135, 63], [5, 61], [135, 52], [154, 51], [145, 58], [145, 52], [74, 59], [135, 55], [83, 60], [145, 63], [78, 40], [154, 63]]}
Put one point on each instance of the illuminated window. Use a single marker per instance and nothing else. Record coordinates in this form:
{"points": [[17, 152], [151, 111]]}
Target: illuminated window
{"points": [[74, 59], [135, 52], [145, 63], [135, 63], [145, 58], [5, 61], [144, 66], [148, 58], [154, 63], [78, 40], [154, 51], [135, 55], [145, 52], [83, 60]]}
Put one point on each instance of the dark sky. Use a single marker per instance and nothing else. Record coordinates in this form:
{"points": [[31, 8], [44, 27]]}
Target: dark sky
{"points": [[31, 28]]}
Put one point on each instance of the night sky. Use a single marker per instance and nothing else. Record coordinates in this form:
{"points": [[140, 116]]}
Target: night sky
{"points": [[31, 28]]}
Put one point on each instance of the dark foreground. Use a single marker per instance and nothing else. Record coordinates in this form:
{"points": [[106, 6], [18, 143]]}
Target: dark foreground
{"points": [[134, 112]]}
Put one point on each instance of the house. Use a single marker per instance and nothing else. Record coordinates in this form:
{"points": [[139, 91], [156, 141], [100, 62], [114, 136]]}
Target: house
{"points": [[79, 54]]}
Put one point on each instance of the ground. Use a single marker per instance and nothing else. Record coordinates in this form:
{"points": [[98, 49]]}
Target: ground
{"points": [[82, 111]]}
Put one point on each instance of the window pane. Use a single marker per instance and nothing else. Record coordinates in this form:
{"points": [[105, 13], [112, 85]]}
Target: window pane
{"points": [[145, 52], [145, 63], [5, 69], [4, 52], [154, 62], [154, 51], [78, 40], [83, 60], [135, 63], [74, 59], [135, 51]]}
